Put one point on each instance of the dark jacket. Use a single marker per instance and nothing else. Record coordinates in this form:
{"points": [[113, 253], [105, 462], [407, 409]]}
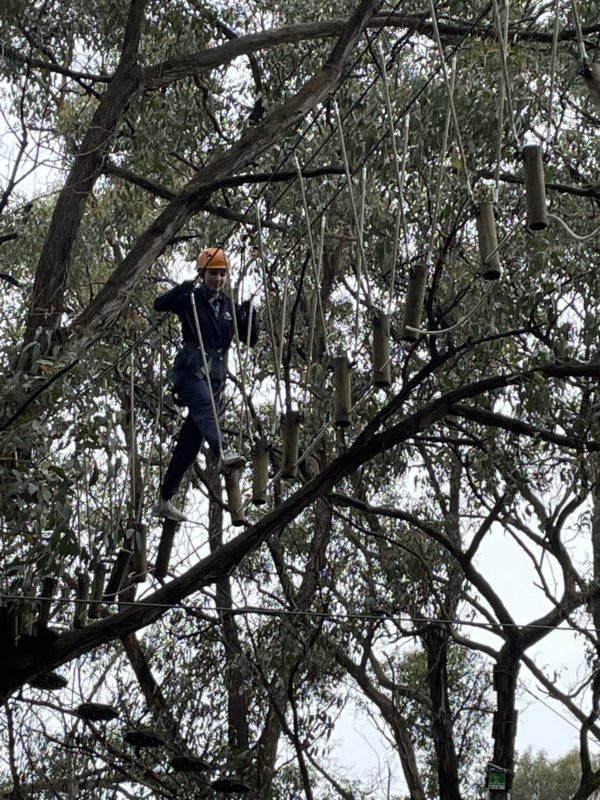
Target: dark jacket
{"points": [[217, 329]]}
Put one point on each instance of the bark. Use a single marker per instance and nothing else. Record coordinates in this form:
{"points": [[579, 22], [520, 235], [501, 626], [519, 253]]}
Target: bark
{"points": [[435, 640], [300, 600], [237, 701], [394, 719], [151, 690], [53, 267], [504, 726]]}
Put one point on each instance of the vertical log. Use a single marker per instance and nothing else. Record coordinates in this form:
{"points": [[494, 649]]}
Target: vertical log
{"points": [[163, 557], [140, 562], [48, 587], [382, 374], [234, 496], [127, 596], [119, 571], [535, 187], [415, 298], [260, 474], [488, 242], [95, 610], [291, 444], [342, 398], [81, 604]]}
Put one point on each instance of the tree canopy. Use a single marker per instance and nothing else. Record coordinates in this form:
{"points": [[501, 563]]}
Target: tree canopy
{"points": [[409, 196]]}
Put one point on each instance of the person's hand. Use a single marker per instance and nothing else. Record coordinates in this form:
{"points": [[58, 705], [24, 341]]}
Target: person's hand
{"points": [[187, 287]]}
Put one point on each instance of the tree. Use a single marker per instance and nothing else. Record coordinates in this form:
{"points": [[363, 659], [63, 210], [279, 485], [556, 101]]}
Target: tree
{"points": [[539, 776], [158, 129]]}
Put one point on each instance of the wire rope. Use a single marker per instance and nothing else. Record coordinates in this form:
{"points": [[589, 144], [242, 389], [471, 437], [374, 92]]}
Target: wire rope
{"points": [[400, 174], [503, 42], [316, 261], [242, 361], [450, 87], [316, 305], [579, 32], [572, 233], [361, 262], [439, 182], [271, 325], [553, 67]]}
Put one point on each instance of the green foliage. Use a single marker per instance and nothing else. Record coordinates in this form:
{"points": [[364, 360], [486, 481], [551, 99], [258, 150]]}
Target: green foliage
{"points": [[334, 611]]}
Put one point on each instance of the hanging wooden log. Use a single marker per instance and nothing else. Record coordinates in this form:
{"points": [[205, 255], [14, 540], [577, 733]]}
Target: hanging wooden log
{"points": [[49, 680], [119, 571], [163, 557], [413, 307], [291, 444], [143, 737], [127, 596], [342, 398], [140, 563], [189, 764], [234, 496], [48, 587], [96, 712], [95, 609], [260, 473], [83, 596], [535, 187], [488, 242], [231, 786], [382, 374]]}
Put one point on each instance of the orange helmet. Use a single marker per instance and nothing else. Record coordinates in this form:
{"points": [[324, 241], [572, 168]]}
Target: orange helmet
{"points": [[212, 258]]}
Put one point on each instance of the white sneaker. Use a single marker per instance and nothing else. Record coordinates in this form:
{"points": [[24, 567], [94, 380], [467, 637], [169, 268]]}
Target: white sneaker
{"points": [[167, 509], [230, 460]]}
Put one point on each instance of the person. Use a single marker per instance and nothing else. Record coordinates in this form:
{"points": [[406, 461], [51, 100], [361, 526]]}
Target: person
{"points": [[207, 310]]}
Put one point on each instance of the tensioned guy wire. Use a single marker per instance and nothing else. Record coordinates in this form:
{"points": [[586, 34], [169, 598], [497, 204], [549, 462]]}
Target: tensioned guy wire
{"points": [[450, 86]]}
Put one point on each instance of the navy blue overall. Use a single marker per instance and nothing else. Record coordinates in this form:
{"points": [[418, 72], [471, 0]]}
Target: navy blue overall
{"points": [[190, 385]]}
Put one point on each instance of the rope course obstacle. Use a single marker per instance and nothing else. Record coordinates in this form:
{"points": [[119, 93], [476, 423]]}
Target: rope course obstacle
{"points": [[128, 565], [354, 241]]}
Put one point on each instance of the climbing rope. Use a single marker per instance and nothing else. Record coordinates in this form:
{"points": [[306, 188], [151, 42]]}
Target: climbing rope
{"points": [[450, 87], [502, 34], [579, 32], [316, 305]]}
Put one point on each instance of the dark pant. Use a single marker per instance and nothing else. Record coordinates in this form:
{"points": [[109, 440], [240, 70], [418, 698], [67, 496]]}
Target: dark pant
{"points": [[200, 425]]}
